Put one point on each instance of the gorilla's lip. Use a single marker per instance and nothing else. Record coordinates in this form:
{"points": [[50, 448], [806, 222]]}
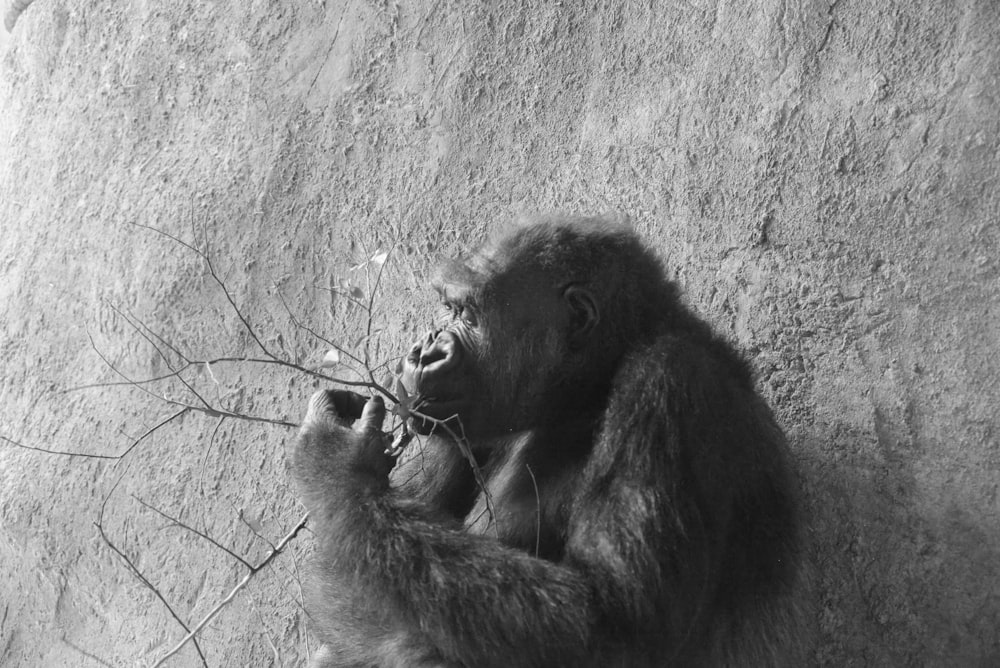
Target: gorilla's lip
{"points": [[440, 409]]}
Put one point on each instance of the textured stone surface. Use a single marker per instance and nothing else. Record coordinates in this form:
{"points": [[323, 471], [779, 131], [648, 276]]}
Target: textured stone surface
{"points": [[821, 177]]}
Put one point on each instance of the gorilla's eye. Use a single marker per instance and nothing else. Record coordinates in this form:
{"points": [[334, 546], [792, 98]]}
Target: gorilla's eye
{"points": [[455, 311], [468, 316]]}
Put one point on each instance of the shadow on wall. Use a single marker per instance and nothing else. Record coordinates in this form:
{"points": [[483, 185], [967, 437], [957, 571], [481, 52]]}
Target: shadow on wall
{"points": [[880, 555]]}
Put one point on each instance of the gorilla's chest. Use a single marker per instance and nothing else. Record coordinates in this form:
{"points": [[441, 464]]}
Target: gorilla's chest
{"points": [[525, 507]]}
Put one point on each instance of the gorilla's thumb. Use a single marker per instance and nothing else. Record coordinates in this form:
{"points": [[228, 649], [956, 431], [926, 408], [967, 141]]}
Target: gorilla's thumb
{"points": [[372, 416]]}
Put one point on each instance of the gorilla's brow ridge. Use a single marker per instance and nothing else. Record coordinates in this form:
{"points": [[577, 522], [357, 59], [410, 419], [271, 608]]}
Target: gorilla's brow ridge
{"points": [[459, 284]]}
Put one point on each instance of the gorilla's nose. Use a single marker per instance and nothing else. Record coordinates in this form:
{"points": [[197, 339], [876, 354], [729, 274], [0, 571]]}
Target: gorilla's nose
{"points": [[440, 352]]}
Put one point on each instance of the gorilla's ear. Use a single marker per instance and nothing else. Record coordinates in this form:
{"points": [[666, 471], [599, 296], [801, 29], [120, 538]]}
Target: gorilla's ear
{"points": [[584, 314]]}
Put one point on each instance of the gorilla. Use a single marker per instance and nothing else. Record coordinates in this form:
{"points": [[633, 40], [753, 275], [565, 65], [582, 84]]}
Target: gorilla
{"points": [[594, 480]]}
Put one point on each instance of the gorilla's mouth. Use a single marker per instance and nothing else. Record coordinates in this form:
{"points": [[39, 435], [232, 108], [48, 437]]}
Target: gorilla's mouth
{"points": [[441, 408], [449, 410]]}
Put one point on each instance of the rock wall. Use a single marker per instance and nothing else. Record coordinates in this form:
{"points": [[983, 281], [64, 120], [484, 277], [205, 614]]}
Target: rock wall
{"points": [[821, 177]]}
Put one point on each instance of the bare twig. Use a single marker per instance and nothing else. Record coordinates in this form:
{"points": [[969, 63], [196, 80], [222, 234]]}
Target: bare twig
{"points": [[207, 409], [149, 432], [270, 358], [57, 452], [149, 585], [130, 317], [351, 298], [462, 442], [204, 458], [166, 360], [241, 515], [371, 305], [538, 510], [191, 636], [126, 451], [196, 532], [176, 372], [135, 570], [83, 652], [298, 323], [218, 281], [238, 360]]}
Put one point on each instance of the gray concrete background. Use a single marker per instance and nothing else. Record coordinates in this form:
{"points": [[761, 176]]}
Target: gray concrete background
{"points": [[821, 177]]}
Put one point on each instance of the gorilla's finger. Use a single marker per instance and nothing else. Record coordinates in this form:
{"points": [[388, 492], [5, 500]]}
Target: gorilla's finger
{"points": [[372, 416], [319, 403]]}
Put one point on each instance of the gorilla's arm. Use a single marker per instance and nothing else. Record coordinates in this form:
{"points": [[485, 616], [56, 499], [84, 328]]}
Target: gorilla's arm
{"points": [[683, 500], [642, 490], [477, 602]]}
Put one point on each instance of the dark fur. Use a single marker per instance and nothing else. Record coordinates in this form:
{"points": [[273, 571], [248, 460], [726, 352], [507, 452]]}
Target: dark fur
{"points": [[642, 505]]}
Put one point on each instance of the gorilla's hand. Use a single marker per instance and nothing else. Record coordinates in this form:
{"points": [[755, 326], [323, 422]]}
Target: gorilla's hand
{"points": [[327, 436], [340, 406]]}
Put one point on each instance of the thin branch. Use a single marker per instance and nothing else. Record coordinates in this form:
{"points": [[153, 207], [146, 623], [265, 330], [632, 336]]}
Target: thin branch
{"points": [[240, 516], [372, 290], [371, 384], [191, 636], [176, 373], [83, 652], [215, 276], [57, 452], [204, 459], [385, 365], [237, 360], [127, 450], [160, 352], [129, 316], [298, 323], [538, 510], [462, 442], [117, 383], [351, 298], [209, 410], [149, 585], [196, 532], [149, 432], [135, 570], [110, 365]]}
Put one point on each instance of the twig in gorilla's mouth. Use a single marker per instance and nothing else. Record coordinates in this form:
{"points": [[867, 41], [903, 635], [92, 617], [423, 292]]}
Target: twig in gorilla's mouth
{"points": [[438, 408]]}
